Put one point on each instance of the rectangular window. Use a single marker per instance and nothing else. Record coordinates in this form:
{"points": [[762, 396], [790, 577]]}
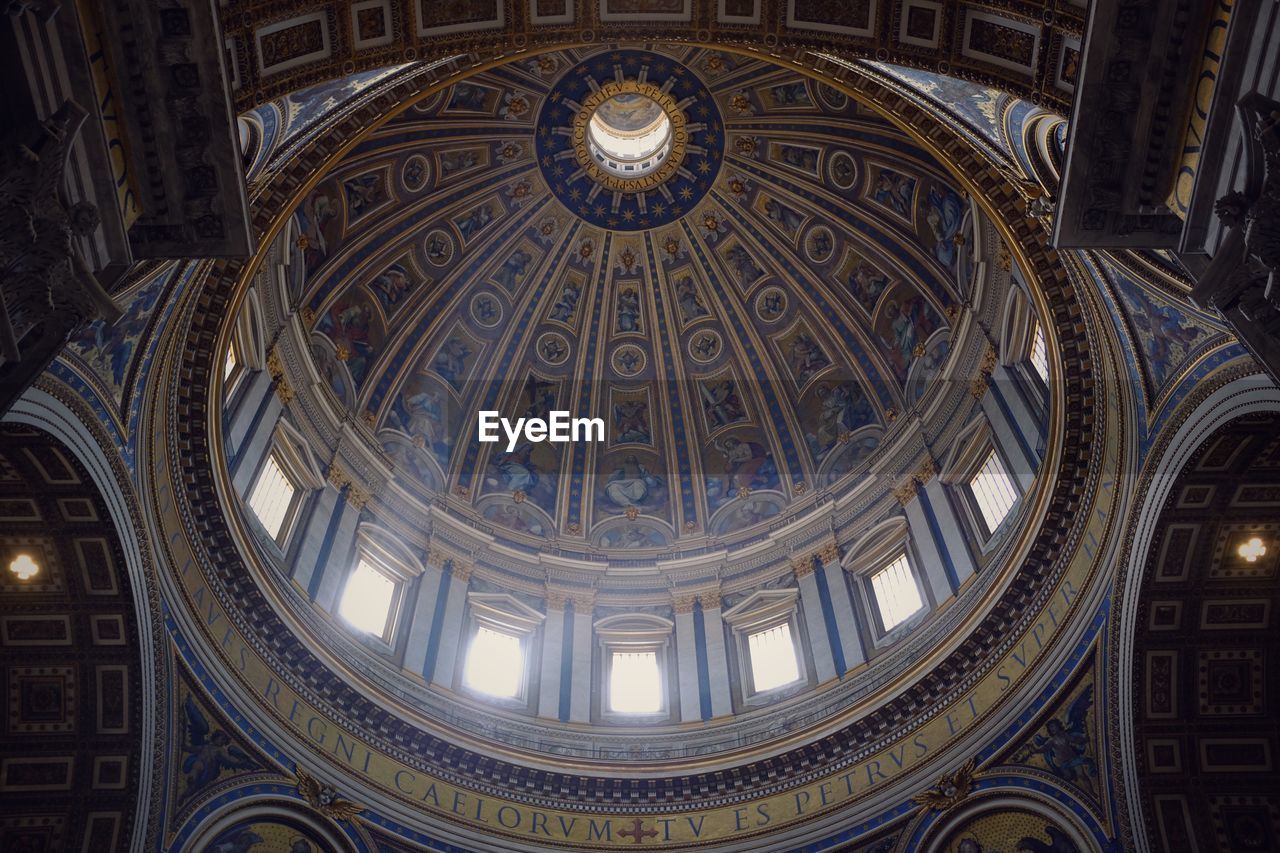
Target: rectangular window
{"points": [[993, 491], [1039, 354], [272, 496], [229, 366], [495, 663], [773, 657], [635, 683], [896, 592], [367, 599]]}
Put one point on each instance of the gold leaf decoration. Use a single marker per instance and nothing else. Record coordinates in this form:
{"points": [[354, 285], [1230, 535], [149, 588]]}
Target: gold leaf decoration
{"points": [[324, 798], [950, 789]]}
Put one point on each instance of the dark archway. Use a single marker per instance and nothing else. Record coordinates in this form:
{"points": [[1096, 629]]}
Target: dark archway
{"points": [[70, 651], [1205, 645]]}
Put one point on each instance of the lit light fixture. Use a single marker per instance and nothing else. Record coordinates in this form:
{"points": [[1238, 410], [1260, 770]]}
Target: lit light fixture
{"points": [[24, 567], [1252, 550]]}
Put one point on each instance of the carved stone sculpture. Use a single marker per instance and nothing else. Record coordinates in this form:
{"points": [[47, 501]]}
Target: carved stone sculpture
{"points": [[1243, 282], [47, 289]]}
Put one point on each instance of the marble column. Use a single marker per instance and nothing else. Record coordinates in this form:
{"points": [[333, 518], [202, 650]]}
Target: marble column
{"points": [[422, 615], [336, 558], [552, 662], [1019, 455], [686, 659], [842, 606], [580, 691], [256, 437], [248, 404], [717, 655], [1024, 399], [936, 567], [814, 619], [451, 627], [954, 541]]}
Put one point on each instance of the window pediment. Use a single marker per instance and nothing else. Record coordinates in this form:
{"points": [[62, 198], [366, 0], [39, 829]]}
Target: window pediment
{"points": [[761, 608]]}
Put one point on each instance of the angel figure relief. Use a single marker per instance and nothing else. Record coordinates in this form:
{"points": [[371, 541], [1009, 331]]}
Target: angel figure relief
{"points": [[324, 798], [950, 789], [1065, 745], [208, 751]]}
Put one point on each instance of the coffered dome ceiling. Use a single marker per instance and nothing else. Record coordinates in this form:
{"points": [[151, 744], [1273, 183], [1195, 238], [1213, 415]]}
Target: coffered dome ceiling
{"points": [[748, 306], [788, 315]]}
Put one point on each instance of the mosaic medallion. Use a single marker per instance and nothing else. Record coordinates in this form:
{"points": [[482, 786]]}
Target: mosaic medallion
{"points": [[704, 346], [553, 349], [628, 360], [771, 304], [486, 310]]}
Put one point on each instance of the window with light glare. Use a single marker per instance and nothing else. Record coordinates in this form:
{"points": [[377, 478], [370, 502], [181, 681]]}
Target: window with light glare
{"points": [[495, 663], [993, 491], [773, 657], [229, 366], [635, 683], [272, 496], [1039, 354], [897, 595], [367, 599]]}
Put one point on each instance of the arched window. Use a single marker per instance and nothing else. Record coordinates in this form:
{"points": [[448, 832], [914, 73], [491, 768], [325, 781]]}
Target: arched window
{"points": [[500, 631], [896, 591], [287, 474], [979, 474], [1039, 354], [765, 631], [374, 592], [1024, 348], [246, 347], [883, 570], [635, 666]]}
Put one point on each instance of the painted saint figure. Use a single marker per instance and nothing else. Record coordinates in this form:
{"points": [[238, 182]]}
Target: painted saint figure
{"points": [[628, 317], [632, 484]]}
